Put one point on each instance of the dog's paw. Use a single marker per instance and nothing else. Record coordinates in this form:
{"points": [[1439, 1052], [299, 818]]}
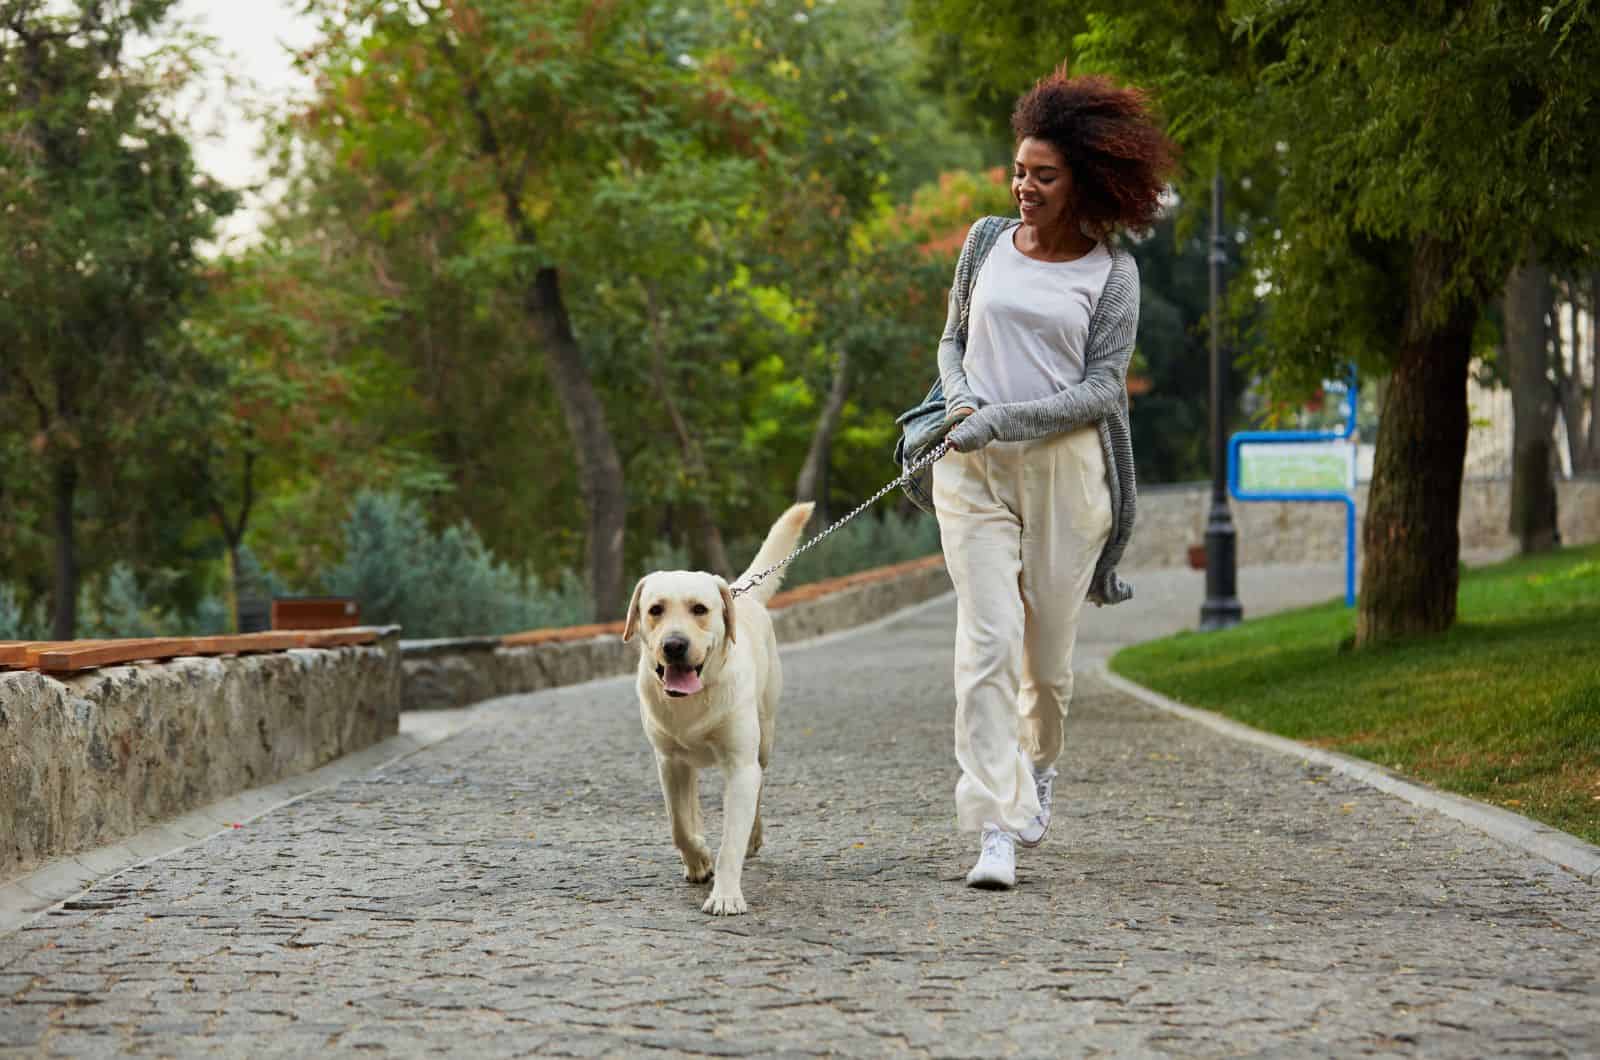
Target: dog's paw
{"points": [[697, 864], [725, 904]]}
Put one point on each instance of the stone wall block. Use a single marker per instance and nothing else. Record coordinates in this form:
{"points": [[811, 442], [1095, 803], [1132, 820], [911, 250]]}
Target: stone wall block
{"points": [[1578, 509], [90, 758]]}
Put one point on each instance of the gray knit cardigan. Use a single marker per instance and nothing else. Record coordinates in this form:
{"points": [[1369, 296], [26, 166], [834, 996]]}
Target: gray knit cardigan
{"points": [[1101, 399]]}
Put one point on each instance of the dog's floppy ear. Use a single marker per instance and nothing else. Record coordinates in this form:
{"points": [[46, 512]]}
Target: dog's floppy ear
{"points": [[630, 625], [727, 608]]}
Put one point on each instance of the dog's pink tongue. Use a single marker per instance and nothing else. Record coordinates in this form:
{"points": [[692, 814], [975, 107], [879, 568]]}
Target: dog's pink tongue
{"points": [[682, 679]]}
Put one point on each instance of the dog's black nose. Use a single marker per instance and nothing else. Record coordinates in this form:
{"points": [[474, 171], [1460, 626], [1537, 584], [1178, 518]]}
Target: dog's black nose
{"points": [[675, 648]]}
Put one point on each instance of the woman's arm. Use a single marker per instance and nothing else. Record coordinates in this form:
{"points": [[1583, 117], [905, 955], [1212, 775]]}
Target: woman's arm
{"points": [[1102, 389], [952, 350]]}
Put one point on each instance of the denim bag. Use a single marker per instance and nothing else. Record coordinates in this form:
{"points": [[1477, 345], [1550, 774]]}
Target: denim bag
{"points": [[920, 428]]}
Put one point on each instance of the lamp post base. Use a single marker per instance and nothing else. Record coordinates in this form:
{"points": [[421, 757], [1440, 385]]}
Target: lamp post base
{"points": [[1221, 608], [1220, 614]]}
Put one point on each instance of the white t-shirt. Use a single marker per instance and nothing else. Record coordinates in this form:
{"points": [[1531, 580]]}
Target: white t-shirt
{"points": [[1029, 321]]}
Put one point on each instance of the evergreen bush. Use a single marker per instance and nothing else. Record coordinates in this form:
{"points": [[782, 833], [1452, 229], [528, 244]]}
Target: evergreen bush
{"points": [[439, 585]]}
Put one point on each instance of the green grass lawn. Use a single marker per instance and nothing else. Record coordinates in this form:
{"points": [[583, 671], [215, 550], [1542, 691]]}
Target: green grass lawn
{"points": [[1504, 708]]}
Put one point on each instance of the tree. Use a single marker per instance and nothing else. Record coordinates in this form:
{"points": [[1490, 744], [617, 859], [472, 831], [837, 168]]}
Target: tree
{"points": [[521, 105], [1170, 419], [859, 133], [1412, 152], [1528, 305], [1578, 401], [287, 390], [102, 210]]}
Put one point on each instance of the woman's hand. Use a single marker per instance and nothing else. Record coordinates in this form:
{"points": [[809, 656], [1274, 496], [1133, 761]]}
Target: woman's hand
{"points": [[973, 430], [954, 418]]}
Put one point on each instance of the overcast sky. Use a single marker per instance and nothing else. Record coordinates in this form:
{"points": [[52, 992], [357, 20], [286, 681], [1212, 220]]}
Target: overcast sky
{"points": [[256, 36]]}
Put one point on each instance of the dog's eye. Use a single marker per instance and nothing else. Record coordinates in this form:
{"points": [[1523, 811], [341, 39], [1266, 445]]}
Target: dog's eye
{"points": [[700, 609], [656, 610]]}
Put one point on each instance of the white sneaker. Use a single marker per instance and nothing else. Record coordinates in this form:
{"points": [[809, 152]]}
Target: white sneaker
{"points": [[1033, 834], [996, 869]]}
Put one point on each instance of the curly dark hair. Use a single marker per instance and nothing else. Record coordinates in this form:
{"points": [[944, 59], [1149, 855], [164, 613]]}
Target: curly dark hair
{"points": [[1119, 155]]}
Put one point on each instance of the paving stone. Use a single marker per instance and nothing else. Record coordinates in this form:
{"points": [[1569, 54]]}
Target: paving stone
{"points": [[512, 891]]}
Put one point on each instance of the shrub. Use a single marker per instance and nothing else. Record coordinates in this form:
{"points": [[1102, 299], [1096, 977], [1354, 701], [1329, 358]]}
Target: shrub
{"points": [[18, 622], [439, 585]]}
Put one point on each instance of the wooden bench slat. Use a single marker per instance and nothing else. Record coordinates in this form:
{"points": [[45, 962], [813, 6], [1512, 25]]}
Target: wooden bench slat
{"points": [[79, 655], [14, 653], [241, 643], [69, 656], [561, 633], [27, 657], [338, 638]]}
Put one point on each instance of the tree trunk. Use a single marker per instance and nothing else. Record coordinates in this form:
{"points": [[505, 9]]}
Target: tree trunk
{"points": [[64, 621], [233, 531], [1533, 490], [1591, 457], [1568, 384], [599, 468], [600, 479], [713, 553], [1410, 538], [812, 485], [232, 586]]}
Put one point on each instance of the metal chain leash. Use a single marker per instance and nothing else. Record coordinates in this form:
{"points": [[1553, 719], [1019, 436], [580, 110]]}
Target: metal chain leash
{"points": [[917, 465]]}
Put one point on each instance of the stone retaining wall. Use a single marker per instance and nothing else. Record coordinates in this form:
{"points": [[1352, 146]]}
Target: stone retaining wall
{"points": [[94, 757], [442, 674], [1171, 518]]}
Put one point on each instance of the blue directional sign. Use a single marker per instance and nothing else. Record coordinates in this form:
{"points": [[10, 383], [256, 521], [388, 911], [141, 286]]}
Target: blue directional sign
{"points": [[1302, 466]]}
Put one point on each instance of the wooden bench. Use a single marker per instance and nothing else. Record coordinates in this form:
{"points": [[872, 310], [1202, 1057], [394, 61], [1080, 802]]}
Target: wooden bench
{"points": [[315, 612], [71, 656]]}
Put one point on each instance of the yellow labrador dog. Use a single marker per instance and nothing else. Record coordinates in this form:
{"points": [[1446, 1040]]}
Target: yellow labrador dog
{"points": [[709, 682]]}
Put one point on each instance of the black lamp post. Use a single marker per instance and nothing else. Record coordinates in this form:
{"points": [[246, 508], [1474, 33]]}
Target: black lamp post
{"points": [[1221, 608]]}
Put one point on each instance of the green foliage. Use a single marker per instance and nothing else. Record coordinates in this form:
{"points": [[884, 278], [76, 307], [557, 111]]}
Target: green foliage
{"points": [[297, 382], [1171, 420], [438, 584], [737, 198], [1350, 133], [102, 212], [116, 606], [698, 177], [446, 583], [1379, 133], [115, 603], [17, 620]]}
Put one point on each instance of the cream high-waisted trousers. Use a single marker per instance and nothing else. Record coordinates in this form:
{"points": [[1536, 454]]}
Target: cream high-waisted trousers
{"points": [[1022, 526]]}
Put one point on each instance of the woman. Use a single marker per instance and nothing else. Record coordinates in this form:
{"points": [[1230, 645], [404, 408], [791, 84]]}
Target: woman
{"points": [[1036, 498]]}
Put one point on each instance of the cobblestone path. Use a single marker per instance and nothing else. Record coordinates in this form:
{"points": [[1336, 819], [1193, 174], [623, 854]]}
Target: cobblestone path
{"points": [[512, 891]]}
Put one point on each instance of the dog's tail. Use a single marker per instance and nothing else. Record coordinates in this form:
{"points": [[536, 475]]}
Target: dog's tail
{"points": [[781, 539]]}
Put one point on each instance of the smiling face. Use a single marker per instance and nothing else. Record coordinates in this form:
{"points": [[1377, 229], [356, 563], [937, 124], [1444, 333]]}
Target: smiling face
{"points": [[682, 619], [1041, 184]]}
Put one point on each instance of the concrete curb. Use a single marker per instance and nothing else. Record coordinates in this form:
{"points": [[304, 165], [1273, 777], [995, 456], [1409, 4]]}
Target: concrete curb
{"points": [[1564, 850], [30, 896]]}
